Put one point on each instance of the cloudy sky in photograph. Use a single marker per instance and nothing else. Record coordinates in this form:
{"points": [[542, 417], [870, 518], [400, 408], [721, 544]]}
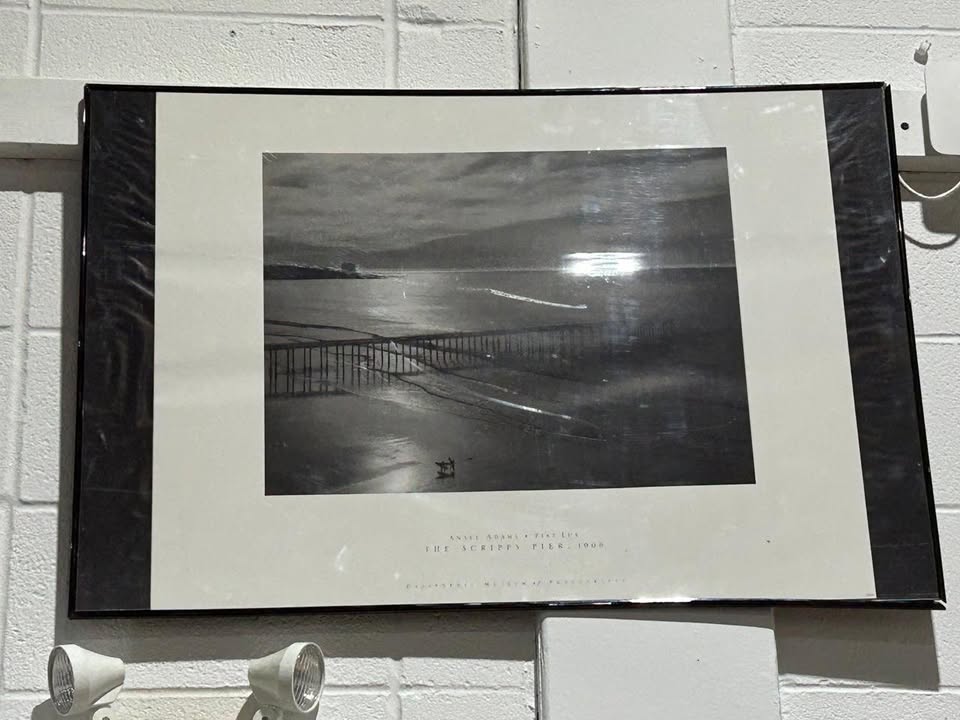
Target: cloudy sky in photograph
{"points": [[393, 209]]}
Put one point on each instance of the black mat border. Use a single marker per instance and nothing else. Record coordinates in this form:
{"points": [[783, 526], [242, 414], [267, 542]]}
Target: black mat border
{"points": [[103, 568], [114, 430], [863, 168]]}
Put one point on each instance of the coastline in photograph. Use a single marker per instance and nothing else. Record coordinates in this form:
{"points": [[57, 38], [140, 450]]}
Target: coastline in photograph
{"points": [[501, 321]]}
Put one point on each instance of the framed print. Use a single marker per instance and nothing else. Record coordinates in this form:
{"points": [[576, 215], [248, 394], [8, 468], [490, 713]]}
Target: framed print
{"points": [[383, 349]]}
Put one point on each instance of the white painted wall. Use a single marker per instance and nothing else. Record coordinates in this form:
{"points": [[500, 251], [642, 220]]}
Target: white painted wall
{"points": [[834, 664]]}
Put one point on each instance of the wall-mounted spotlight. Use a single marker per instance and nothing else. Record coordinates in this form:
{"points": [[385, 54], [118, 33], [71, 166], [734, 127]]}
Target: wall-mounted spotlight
{"points": [[80, 681], [288, 681]]}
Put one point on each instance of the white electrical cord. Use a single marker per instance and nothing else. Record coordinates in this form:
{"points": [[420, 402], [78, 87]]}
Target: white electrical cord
{"points": [[939, 196]]}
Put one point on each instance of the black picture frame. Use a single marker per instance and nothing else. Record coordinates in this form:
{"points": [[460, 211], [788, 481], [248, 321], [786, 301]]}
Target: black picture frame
{"points": [[111, 533]]}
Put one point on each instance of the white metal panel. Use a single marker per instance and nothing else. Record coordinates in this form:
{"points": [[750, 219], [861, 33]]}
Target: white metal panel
{"points": [[658, 664], [39, 118]]}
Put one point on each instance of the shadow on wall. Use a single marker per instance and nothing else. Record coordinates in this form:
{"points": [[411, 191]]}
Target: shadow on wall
{"points": [[250, 710], [885, 647], [942, 218]]}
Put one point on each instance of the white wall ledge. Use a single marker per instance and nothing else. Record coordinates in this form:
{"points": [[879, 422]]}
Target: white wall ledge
{"points": [[40, 118]]}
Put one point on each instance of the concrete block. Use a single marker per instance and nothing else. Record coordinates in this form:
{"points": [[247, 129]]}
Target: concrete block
{"points": [[166, 48], [876, 13], [14, 25], [11, 208], [438, 11], [187, 674], [625, 42], [341, 672], [265, 7], [365, 706], [46, 254], [31, 603], [789, 55], [466, 672], [460, 57], [933, 254], [940, 387], [466, 705], [347, 672], [40, 451], [4, 559], [229, 704]]}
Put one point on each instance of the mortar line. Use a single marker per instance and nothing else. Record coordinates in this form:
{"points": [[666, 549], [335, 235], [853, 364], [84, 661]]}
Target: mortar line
{"points": [[463, 691], [391, 44], [239, 691], [236, 16], [854, 29], [14, 419], [452, 25], [447, 687], [866, 689], [938, 338], [26, 504], [394, 701], [806, 682], [7, 563], [31, 504], [21, 305], [732, 29], [31, 59]]}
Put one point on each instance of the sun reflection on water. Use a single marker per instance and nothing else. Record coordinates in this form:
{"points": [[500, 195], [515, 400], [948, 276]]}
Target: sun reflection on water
{"points": [[602, 264]]}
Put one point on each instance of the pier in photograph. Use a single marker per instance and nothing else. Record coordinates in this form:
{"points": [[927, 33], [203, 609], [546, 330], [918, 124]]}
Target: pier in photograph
{"points": [[333, 366]]}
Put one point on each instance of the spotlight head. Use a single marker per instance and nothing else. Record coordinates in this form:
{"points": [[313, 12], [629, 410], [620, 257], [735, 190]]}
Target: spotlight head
{"points": [[80, 680], [289, 680]]}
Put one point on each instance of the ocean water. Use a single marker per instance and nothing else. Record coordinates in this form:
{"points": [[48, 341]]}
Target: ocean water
{"points": [[639, 382]]}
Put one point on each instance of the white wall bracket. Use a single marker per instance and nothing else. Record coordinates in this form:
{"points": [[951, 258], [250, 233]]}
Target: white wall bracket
{"points": [[943, 106], [915, 152], [40, 118], [927, 123]]}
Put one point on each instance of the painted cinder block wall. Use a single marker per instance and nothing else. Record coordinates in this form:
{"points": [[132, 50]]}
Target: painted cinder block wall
{"points": [[834, 664]]}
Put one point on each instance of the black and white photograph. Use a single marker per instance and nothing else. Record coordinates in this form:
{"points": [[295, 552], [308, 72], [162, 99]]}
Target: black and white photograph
{"points": [[501, 321], [483, 348]]}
